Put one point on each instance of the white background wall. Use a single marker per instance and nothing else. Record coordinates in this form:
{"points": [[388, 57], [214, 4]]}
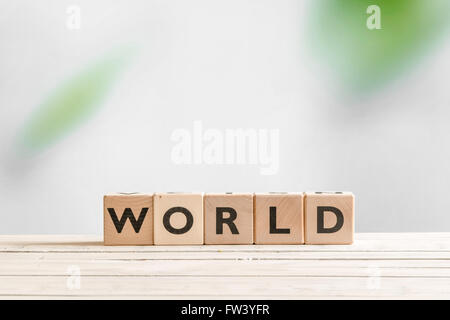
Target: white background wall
{"points": [[230, 64]]}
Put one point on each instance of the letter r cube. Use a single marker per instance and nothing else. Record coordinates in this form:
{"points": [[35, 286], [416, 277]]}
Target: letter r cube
{"points": [[329, 218], [228, 218]]}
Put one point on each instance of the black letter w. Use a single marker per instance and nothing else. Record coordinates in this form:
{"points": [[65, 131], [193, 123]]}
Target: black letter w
{"points": [[127, 214]]}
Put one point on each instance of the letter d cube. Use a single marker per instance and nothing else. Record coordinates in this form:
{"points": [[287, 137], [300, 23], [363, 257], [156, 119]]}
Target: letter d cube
{"points": [[329, 218]]}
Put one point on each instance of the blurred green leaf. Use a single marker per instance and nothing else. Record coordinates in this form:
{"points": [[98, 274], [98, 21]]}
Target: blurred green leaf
{"points": [[71, 103], [364, 59]]}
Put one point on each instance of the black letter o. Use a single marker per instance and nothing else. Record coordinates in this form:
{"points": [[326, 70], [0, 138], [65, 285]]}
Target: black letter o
{"points": [[189, 220]]}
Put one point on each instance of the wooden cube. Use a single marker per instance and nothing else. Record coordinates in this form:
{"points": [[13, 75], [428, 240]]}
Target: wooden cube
{"points": [[178, 218], [329, 218], [279, 218], [228, 218], [128, 219]]}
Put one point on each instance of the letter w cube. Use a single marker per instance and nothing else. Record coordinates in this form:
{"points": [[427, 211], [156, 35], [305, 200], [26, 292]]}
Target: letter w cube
{"points": [[128, 219]]}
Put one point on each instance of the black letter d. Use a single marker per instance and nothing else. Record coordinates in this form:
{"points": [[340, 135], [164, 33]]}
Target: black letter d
{"points": [[320, 220]]}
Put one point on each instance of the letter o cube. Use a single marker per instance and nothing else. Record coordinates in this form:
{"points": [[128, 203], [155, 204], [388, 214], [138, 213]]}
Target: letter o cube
{"points": [[178, 218]]}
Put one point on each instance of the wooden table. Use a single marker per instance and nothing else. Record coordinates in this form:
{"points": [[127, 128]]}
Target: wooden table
{"points": [[407, 265]]}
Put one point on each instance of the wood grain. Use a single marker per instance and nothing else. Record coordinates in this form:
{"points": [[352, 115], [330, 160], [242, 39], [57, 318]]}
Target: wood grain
{"points": [[387, 266]]}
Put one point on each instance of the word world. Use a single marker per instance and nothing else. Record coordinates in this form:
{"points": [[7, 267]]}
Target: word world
{"points": [[228, 218]]}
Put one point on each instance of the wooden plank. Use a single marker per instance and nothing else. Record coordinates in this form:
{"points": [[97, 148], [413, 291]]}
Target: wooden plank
{"points": [[216, 287], [388, 266], [280, 268], [363, 243], [235, 255]]}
